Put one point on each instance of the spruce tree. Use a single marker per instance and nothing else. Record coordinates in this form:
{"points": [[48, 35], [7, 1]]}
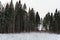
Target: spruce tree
{"points": [[56, 20], [32, 19], [19, 18], [11, 17], [37, 20], [7, 17], [46, 21], [51, 23], [24, 7]]}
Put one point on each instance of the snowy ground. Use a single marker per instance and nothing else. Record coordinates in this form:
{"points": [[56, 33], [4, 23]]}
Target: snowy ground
{"points": [[30, 36]]}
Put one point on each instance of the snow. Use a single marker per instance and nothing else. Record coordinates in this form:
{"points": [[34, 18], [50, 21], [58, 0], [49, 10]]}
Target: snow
{"points": [[30, 36], [41, 27]]}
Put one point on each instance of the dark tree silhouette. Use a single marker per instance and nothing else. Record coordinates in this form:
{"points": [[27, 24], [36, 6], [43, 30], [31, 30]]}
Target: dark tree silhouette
{"points": [[46, 21], [32, 19], [18, 20], [51, 23], [37, 20], [7, 17], [24, 6]]}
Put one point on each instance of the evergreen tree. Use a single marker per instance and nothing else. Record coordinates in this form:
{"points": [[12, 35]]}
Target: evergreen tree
{"points": [[11, 17], [19, 18], [7, 17], [51, 23], [32, 19], [20, 5], [24, 7], [16, 8], [56, 20], [46, 21], [16, 17], [29, 23], [37, 20]]}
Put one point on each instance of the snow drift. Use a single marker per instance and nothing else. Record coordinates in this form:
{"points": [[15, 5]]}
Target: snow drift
{"points": [[30, 36]]}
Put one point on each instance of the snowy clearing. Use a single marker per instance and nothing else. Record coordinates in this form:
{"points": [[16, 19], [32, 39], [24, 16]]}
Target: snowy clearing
{"points": [[30, 36]]}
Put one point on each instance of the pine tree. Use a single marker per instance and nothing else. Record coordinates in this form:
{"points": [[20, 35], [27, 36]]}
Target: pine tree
{"points": [[37, 20], [16, 8], [11, 17], [7, 17], [51, 23], [46, 21], [24, 7], [32, 19], [19, 18], [20, 5], [16, 18], [56, 20]]}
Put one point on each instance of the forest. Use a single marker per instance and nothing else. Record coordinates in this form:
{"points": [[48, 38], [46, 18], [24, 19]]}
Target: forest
{"points": [[17, 19]]}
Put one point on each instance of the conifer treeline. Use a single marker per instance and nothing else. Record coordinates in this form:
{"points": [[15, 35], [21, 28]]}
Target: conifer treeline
{"points": [[51, 21], [15, 20], [18, 19]]}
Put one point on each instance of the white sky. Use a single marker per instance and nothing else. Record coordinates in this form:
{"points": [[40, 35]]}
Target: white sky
{"points": [[42, 6]]}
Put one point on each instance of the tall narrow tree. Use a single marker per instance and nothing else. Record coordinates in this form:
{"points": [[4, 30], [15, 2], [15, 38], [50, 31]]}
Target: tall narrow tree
{"points": [[37, 20], [7, 17], [32, 19], [11, 16]]}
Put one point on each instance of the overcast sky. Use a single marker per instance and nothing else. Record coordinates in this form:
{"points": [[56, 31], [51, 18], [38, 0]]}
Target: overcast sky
{"points": [[42, 6]]}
